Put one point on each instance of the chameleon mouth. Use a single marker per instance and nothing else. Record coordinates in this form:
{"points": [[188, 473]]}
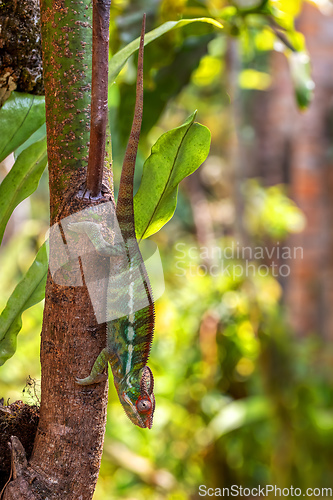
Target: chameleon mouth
{"points": [[139, 422], [149, 423]]}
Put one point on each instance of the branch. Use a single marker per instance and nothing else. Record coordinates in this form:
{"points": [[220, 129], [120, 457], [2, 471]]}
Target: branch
{"points": [[99, 96]]}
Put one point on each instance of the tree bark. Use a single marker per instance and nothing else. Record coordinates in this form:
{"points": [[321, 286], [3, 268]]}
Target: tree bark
{"points": [[68, 446], [20, 48]]}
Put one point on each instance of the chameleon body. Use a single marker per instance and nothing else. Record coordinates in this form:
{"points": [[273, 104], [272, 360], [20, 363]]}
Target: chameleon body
{"points": [[130, 335]]}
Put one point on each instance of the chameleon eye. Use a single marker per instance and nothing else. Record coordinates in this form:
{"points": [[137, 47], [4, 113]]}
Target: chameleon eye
{"points": [[143, 405]]}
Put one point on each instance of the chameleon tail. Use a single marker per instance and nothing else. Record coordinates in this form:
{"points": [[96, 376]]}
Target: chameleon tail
{"points": [[125, 212], [96, 374]]}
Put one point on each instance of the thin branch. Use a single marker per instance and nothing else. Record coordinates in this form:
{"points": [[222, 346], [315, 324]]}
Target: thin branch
{"points": [[99, 96], [279, 31]]}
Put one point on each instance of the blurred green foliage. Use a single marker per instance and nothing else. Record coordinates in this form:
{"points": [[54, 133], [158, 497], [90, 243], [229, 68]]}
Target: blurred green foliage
{"points": [[240, 401], [270, 212]]}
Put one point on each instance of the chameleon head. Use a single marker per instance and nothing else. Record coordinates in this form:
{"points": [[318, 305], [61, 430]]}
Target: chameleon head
{"points": [[137, 397]]}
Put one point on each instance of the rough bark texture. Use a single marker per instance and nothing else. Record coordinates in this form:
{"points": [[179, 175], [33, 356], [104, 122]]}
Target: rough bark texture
{"points": [[17, 419], [67, 451], [20, 48]]}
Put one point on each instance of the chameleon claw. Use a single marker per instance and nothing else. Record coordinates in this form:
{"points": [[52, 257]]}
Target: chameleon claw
{"points": [[94, 233]]}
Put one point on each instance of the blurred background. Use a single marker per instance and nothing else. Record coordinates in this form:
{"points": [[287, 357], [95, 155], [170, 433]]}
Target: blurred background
{"points": [[242, 352]]}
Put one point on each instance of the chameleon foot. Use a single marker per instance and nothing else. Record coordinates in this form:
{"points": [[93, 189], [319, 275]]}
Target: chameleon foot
{"points": [[94, 233], [91, 380]]}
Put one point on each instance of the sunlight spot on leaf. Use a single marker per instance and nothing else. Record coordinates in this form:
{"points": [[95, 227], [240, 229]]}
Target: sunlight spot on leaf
{"points": [[253, 79]]}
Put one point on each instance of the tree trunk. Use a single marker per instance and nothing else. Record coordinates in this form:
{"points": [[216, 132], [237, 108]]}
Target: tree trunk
{"points": [[68, 446], [310, 293]]}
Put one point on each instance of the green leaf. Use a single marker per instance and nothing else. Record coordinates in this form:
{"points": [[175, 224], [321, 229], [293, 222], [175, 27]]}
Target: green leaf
{"points": [[20, 116], [119, 59], [252, 79], [300, 70], [36, 136], [22, 180], [165, 87], [250, 5], [176, 154], [28, 292]]}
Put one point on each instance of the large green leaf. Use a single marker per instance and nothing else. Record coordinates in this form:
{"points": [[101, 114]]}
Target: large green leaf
{"points": [[176, 154], [119, 59], [27, 293], [22, 180], [20, 117], [168, 82]]}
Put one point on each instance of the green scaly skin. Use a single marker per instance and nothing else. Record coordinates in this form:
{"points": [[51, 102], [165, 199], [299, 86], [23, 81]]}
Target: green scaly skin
{"points": [[129, 337]]}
